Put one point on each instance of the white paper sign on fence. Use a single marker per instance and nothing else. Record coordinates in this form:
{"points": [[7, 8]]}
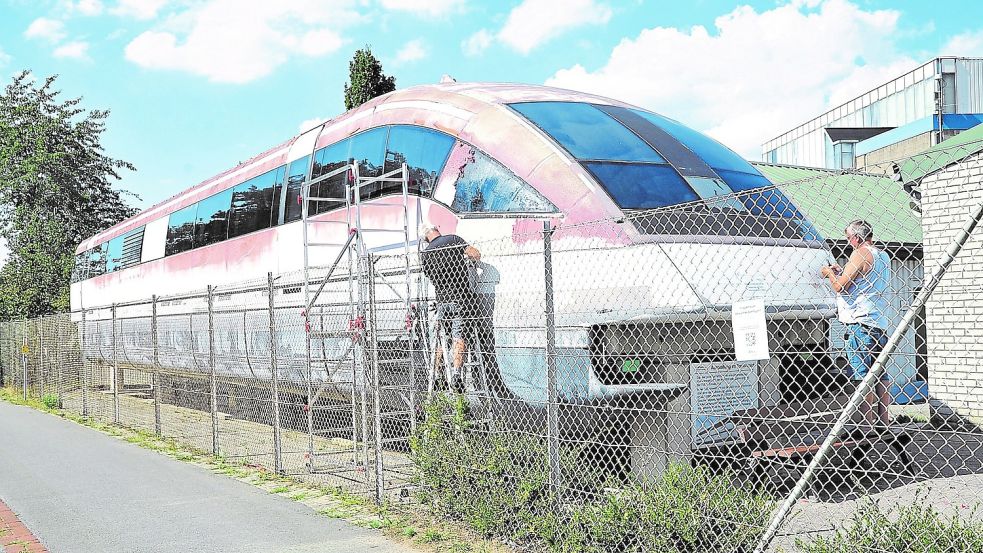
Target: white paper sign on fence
{"points": [[750, 330]]}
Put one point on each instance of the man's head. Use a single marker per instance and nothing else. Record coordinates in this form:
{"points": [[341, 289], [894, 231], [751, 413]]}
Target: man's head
{"points": [[859, 232], [428, 232]]}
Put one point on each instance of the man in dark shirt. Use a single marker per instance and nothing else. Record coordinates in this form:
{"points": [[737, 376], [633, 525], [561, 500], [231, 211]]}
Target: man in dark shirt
{"points": [[447, 262]]}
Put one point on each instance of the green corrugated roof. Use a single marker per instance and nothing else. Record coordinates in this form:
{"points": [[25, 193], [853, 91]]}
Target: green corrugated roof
{"points": [[942, 154], [831, 199]]}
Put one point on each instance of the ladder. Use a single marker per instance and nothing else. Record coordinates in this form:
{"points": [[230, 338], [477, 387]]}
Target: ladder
{"points": [[356, 327], [474, 376]]}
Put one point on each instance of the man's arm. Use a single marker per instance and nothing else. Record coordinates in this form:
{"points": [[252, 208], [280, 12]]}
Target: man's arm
{"points": [[861, 260], [472, 252]]}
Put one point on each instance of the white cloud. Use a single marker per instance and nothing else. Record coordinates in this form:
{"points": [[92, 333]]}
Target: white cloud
{"points": [[47, 29], [534, 22], [75, 50], [477, 43], [308, 124], [4, 58], [757, 74], [87, 7], [968, 44], [237, 41], [413, 50], [432, 8], [139, 9]]}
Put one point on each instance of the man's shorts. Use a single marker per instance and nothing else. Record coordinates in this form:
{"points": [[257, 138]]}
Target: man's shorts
{"points": [[450, 316], [863, 345]]}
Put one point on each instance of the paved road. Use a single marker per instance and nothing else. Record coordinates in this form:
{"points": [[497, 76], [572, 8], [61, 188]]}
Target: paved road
{"points": [[81, 491]]}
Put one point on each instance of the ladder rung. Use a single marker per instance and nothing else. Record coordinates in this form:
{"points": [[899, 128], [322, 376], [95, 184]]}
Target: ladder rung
{"points": [[320, 199], [395, 413], [325, 244], [330, 333]]}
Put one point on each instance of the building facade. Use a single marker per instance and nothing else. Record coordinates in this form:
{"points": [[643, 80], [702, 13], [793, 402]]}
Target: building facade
{"points": [[902, 117], [955, 311]]}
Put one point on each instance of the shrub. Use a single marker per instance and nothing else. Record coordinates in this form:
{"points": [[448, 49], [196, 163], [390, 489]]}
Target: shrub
{"points": [[912, 528], [51, 401], [498, 484]]}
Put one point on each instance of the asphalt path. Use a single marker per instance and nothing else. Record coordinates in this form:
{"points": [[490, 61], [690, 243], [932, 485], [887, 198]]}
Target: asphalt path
{"points": [[81, 491]]}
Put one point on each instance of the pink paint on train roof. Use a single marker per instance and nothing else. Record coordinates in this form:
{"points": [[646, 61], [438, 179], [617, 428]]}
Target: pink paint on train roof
{"points": [[445, 106]]}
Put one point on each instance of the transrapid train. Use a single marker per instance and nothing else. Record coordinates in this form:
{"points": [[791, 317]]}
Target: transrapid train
{"points": [[642, 293]]}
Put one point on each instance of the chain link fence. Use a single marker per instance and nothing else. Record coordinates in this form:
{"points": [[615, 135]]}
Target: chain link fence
{"points": [[744, 373]]}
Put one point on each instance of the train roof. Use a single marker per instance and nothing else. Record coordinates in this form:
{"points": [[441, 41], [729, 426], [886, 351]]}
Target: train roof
{"points": [[438, 106]]}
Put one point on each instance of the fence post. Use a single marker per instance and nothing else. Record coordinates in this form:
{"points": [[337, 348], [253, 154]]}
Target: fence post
{"points": [[871, 379], [552, 397], [275, 377], [40, 323], [23, 355], [373, 341], [117, 380], [211, 368], [82, 375], [155, 376]]}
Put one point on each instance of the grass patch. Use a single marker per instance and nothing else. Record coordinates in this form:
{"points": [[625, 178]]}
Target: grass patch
{"points": [[913, 528]]}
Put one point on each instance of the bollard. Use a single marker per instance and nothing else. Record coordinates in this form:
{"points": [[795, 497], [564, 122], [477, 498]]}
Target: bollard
{"points": [[82, 375]]}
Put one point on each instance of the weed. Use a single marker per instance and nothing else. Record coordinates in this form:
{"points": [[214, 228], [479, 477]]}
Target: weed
{"points": [[912, 528], [431, 535], [51, 401]]}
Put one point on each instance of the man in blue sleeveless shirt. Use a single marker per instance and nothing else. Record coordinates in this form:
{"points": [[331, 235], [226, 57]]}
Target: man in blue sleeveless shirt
{"points": [[861, 299]]}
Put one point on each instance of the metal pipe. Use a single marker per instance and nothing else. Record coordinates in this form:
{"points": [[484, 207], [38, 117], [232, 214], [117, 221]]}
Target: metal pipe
{"points": [[23, 355], [117, 381], [277, 447], [552, 395], [211, 370], [82, 376], [871, 379], [370, 330], [155, 374]]}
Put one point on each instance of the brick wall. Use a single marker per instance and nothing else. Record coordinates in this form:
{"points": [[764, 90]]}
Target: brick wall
{"points": [[955, 312]]}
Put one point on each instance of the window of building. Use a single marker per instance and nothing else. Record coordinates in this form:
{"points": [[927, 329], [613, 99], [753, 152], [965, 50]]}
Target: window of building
{"points": [[252, 204], [296, 175], [587, 132], [485, 186], [181, 230], [843, 155], [212, 220], [423, 150]]}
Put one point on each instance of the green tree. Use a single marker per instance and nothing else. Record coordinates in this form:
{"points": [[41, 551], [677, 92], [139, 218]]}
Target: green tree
{"points": [[55, 190], [366, 79]]}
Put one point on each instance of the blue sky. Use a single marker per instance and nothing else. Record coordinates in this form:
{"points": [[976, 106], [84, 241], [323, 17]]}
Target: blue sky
{"points": [[194, 86]]}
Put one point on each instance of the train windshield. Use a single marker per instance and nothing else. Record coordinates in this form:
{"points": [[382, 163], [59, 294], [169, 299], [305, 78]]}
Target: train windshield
{"points": [[645, 162]]}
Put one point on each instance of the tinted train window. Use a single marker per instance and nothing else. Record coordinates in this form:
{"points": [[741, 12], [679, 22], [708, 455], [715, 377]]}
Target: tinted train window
{"points": [[296, 176], [97, 261], [181, 230], [484, 185], [252, 204], [275, 217], [642, 185], [423, 150], [114, 254], [587, 132], [80, 270], [132, 248], [212, 221], [326, 160], [368, 151]]}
